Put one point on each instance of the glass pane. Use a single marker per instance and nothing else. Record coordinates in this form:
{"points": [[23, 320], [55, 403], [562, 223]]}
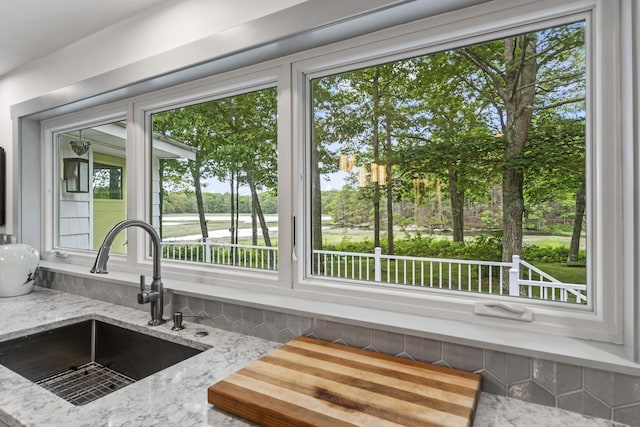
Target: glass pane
{"points": [[91, 193], [462, 169], [107, 181], [215, 179]]}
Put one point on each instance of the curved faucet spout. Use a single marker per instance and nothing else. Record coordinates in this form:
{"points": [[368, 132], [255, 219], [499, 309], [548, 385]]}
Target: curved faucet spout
{"points": [[154, 296]]}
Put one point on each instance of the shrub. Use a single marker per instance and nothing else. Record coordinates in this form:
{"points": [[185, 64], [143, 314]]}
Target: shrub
{"points": [[482, 247]]}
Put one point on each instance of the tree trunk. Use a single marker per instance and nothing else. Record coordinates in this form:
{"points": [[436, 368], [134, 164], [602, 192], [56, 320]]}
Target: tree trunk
{"points": [[237, 219], [457, 206], [258, 208], [520, 78], [389, 191], [263, 224], [195, 173], [376, 154], [254, 224], [581, 204], [316, 208], [440, 215], [232, 206]]}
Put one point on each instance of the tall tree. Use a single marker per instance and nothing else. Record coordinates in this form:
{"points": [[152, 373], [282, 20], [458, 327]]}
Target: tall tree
{"points": [[512, 71], [189, 125], [449, 137]]}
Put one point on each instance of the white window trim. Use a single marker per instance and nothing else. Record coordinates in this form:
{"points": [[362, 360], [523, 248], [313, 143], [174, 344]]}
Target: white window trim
{"points": [[602, 320], [208, 89], [50, 173], [553, 329]]}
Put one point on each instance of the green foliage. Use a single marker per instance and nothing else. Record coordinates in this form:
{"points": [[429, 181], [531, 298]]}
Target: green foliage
{"points": [[548, 253], [481, 247], [183, 202]]}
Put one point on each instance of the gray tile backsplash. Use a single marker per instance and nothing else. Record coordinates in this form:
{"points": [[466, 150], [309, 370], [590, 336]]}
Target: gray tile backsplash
{"points": [[575, 388]]}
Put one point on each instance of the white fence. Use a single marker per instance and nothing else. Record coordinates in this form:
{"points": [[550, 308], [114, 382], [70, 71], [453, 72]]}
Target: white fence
{"points": [[260, 257], [516, 278]]}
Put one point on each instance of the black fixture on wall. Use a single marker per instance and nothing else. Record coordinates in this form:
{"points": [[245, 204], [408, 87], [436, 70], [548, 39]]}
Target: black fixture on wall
{"points": [[76, 175]]}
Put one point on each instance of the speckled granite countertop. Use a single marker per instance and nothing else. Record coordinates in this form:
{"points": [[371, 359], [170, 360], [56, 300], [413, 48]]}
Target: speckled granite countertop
{"points": [[176, 396]]}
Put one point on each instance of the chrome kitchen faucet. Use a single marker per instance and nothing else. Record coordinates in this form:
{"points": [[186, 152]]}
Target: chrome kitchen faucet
{"points": [[154, 294]]}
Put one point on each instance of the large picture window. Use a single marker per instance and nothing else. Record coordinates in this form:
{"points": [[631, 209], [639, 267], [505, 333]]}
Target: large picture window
{"points": [[215, 169], [432, 169], [461, 170]]}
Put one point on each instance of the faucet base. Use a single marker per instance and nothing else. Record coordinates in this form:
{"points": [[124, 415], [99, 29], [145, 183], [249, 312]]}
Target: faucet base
{"points": [[156, 322]]}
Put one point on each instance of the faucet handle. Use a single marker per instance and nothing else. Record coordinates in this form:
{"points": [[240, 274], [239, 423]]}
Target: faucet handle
{"points": [[145, 296]]}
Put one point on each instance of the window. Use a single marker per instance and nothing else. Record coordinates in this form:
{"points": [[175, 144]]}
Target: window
{"points": [[89, 204], [107, 181], [462, 169], [378, 172], [214, 171]]}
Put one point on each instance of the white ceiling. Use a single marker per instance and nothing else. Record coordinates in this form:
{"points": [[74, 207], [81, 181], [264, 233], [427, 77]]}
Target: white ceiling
{"points": [[30, 29]]}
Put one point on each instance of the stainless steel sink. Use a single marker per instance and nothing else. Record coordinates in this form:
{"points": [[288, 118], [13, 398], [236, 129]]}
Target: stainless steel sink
{"points": [[87, 360]]}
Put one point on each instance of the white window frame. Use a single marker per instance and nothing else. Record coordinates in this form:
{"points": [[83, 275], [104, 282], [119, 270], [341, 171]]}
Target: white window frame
{"points": [[51, 174], [138, 112], [601, 319], [289, 288], [209, 89]]}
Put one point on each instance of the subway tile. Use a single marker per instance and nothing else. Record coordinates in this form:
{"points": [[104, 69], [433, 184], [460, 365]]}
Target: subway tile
{"points": [[212, 308], [387, 342], [628, 415], [518, 368], [241, 326], [299, 325], [262, 331], [495, 362], [491, 384], [355, 336], [232, 312], [557, 377], [253, 316], [221, 322], [423, 349], [195, 305], [463, 357], [542, 396], [180, 304], [626, 390], [583, 403], [326, 330], [275, 321], [520, 391], [284, 335], [599, 384]]}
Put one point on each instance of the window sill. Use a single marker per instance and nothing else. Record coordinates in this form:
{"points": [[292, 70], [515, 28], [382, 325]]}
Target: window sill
{"points": [[591, 354]]}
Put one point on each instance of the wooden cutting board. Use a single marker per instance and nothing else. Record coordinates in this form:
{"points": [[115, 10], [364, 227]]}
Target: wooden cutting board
{"points": [[308, 382]]}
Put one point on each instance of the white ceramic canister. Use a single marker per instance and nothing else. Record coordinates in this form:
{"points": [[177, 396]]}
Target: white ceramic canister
{"points": [[18, 269]]}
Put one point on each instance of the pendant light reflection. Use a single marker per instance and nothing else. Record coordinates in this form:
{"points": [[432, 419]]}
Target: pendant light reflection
{"points": [[76, 175], [347, 162], [378, 174], [76, 170]]}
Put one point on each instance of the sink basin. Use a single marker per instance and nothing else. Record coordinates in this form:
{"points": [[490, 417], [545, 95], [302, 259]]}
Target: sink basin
{"points": [[87, 360]]}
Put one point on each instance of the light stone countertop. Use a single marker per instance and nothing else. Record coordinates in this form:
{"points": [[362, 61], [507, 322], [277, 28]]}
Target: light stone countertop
{"points": [[176, 396]]}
